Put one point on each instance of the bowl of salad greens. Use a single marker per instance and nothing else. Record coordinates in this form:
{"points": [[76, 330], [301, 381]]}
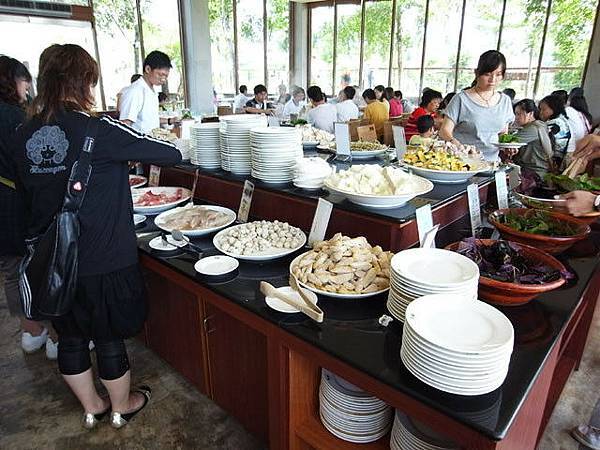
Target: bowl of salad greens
{"points": [[511, 274], [549, 231], [509, 140]]}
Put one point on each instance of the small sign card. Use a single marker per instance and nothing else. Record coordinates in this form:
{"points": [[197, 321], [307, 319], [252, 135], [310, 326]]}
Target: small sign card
{"points": [[154, 176], [320, 222], [474, 207], [501, 189], [342, 140], [399, 141], [245, 202], [424, 222]]}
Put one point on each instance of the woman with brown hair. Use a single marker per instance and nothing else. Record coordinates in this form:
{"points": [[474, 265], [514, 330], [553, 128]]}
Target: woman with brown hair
{"points": [[110, 299]]}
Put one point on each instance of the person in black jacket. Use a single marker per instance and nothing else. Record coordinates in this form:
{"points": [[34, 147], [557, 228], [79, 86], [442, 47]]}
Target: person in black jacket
{"points": [[110, 300], [15, 82]]}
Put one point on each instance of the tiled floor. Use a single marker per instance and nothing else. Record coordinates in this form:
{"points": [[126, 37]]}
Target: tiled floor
{"points": [[37, 411]]}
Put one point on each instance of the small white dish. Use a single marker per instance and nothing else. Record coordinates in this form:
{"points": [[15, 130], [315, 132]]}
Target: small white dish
{"points": [[216, 265], [138, 219], [158, 244], [280, 306]]}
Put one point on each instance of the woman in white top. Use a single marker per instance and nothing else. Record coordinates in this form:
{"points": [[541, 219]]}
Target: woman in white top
{"points": [[477, 115], [580, 119], [295, 104], [322, 115], [346, 108]]}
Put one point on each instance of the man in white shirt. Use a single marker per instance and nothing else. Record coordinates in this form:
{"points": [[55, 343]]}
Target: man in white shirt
{"points": [[139, 102], [322, 115], [346, 108], [295, 104], [240, 100], [134, 78]]}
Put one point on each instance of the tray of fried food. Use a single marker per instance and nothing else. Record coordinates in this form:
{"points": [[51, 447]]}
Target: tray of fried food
{"points": [[344, 267]]}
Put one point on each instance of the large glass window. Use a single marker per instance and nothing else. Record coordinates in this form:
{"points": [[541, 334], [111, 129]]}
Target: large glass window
{"points": [[408, 47], [321, 48], [442, 44], [160, 25], [480, 33], [250, 42], [278, 42], [521, 41], [222, 45], [31, 35], [566, 46], [118, 45], [378, 23], [347, 46]]}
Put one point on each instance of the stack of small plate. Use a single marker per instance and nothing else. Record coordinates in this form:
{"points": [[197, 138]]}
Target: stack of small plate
{"points": [[205, 150], [457, 345], [235, 141], [350, 413], [409, 434], [422, 271], [274, 153]]}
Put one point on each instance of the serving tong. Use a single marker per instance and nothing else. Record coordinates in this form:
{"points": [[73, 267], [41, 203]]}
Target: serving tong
{"points": [[307, 307]]}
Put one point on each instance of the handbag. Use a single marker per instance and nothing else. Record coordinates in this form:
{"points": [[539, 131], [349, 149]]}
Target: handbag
{"points": [[48, 272]]}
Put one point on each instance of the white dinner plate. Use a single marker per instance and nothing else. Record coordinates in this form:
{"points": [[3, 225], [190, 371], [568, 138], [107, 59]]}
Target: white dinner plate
{"points": [[160, 219], [280, 306], [137, 193], [142, 181], [158, 244], [216, 265]]}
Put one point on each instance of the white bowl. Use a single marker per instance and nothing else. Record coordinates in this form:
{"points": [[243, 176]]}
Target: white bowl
{"points": [[382, 201]]}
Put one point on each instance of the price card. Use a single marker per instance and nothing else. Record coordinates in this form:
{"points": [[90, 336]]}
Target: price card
{"points": [[399, 141], [501, 189], [245, 202], [514, 176], [154, 176], [474, 207], [424, 222], [320, 221], [342, 139]]}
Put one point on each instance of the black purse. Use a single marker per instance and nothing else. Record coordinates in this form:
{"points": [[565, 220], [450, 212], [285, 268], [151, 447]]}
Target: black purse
{"points": [[48, 272]]}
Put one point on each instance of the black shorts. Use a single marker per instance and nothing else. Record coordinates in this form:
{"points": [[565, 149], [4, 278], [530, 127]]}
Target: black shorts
{"points": [[107, 306]]}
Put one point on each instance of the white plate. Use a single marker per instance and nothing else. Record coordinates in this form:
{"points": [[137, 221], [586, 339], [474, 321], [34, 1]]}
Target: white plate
{"points": [[280, 306], [510, 145], [159, 221], [435, 267], [448, 176], [158, 190], [216, 265], [142, 182], [383, 201], [460, 325], [331, 294], [138, 219], [273, 253], [158, 244], [367, 154]]}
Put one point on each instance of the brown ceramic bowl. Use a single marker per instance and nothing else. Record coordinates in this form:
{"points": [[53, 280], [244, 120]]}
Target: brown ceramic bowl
{"points": [[550, 244], [514, 294]]}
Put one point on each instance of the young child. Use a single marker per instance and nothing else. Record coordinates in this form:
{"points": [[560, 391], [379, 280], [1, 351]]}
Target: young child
{"points": [[425, 128]]}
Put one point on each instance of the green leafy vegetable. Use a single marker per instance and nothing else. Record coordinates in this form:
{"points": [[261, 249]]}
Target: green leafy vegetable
{"points": [[537, 222], [298, 122], [507, 138], [579, 183]]}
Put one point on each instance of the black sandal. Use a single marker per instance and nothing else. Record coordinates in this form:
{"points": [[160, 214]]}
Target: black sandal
{"points": [[118, 420]]}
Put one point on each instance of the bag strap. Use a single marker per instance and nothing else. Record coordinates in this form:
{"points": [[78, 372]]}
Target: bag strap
{"points": [[81, 170]]}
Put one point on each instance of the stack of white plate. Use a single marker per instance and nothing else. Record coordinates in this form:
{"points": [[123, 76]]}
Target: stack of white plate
{"points": [[350, 413], [274, 152], [457, 345], [422, 271], [408, 434], [205, 149], [234, 130]]}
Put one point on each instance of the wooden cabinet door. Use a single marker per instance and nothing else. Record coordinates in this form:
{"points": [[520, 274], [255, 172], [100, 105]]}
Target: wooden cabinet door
{"points": [[237, 359], [174, 327]]}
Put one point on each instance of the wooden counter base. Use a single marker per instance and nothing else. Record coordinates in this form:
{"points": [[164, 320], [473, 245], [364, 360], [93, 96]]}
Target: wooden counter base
{"points": [[268, 379]]}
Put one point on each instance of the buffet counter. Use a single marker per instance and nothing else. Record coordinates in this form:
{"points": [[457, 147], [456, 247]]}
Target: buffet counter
{"points": [[263, 367]]}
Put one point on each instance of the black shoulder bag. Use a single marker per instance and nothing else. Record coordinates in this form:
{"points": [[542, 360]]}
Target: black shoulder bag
{"points": [[48, 272]]}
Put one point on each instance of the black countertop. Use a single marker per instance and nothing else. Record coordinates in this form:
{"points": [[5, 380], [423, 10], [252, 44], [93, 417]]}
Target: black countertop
{"points": [[440, 195], [351, 331]]}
